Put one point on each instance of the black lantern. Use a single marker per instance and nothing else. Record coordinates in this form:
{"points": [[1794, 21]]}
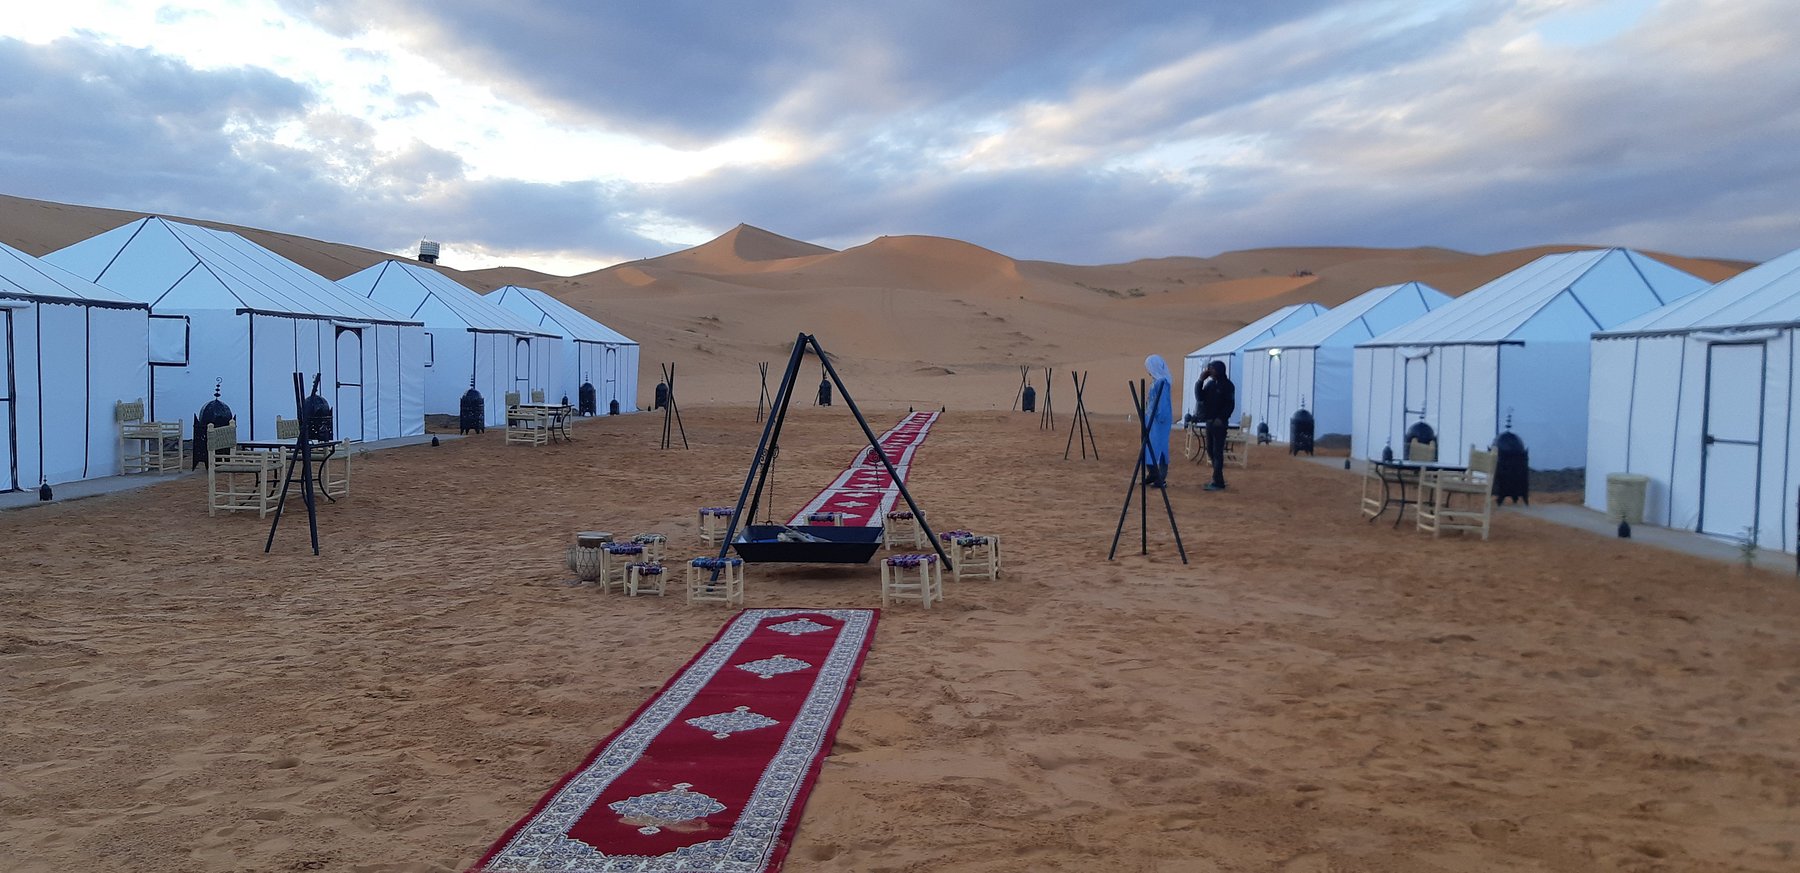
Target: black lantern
{"points": [[612, 407], [1262, 432], [662, 395], [214, 414], [1512, 468], [588, 397], [319, 420], [1300, 433], [1029, 404], [473, 414], [824, 392]]}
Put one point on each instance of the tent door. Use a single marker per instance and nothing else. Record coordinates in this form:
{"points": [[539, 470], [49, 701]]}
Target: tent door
{"points": [[611, 373], [347, 405], [1732, 445], [1274, 400], [9, 407], [522, 367]]}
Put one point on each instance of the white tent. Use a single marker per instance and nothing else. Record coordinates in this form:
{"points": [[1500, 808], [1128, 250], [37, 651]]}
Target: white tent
{"points": [[224, 309], [69, 350], [1230, 349], [1310, 365], [1700, 396], [592, 352], [1515, 348], [469, 341]]}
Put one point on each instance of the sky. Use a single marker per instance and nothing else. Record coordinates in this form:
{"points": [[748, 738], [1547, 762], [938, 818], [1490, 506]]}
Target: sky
{"points": [[567, 135]]}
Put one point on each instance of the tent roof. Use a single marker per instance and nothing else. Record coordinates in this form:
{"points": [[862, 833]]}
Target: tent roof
{"points": [[23, 277], [1285, 318], [574, 323], [1603, 287], [1763, 296], [1352, 313], [151, 257], [404, 281]]}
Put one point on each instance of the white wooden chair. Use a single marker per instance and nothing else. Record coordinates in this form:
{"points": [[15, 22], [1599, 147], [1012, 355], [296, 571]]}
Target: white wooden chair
{"points": [[1459, 500], [902, 528], [976, 556], [525, 426], [713, 522], [537, 395], [147, 446], [899, 583], [727, 589], [645, 577], [1237, 444], [240, 479], [1418, 451]]}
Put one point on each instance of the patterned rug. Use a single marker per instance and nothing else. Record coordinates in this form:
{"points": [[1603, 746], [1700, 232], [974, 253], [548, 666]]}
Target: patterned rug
{"points": [[712, 773], [865, 492]]}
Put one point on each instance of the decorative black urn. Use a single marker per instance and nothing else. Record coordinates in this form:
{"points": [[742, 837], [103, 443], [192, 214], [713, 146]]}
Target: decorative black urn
{"points": [[1262, 432], [662, 395], [1512, 469], [319, 420], [612, 407], [214, 414], [587, 397], [473, 412], [1300, 433], [1030, 402]]}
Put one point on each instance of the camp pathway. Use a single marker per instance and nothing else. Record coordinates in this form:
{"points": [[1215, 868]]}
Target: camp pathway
{"points": [[866, 482]]}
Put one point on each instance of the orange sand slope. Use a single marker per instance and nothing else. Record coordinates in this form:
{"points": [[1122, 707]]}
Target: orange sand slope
{"points": [[926, 321], [1312, 693]]}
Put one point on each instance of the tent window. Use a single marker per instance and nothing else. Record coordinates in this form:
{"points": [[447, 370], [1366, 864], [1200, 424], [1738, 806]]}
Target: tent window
{"points": [[169, 340], [1415, 387], [430, 349]]}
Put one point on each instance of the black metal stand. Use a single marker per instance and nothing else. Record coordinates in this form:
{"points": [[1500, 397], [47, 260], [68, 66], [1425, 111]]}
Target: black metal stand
{"points": [[1047, 419], [1081, 431], [762, 400], [1024, 382], [671, 411], [1144, 405], [303, 459], [767, 447]]}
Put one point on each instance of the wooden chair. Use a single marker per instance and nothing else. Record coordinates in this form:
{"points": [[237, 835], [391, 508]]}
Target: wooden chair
{"points": [[898, 583], [1418, 451], [526, 426], [973, 555], [645, 577], [1460, 500], [727, 589], [1237, 444], [713, 522], [537, 396], [615, 569], [147, 446], [901, 527], [287, 428], [240, 479]]}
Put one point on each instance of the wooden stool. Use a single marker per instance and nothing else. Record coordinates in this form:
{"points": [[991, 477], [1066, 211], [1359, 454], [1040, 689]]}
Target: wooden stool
{"points": [[713, 521], [618, 557], [644, 577], [727, 589], [897, 584], [831, 518], [975, 555], [901, 527], [653, 544]]}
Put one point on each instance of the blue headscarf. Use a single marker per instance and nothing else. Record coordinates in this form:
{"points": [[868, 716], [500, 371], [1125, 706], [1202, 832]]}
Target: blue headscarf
{"points": [[1159, 409]]}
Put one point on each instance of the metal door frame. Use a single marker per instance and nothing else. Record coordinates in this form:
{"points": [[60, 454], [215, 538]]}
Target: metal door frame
{"points": [[1706, 439], [11, 399], [337, 365], [522, 384]]}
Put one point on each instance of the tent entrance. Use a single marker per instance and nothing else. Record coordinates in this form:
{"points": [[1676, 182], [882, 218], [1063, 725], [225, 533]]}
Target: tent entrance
{"points": [[9, 411], [1274, 394], [610, 372], [1731, 450], [522, 367], [347, 405]]}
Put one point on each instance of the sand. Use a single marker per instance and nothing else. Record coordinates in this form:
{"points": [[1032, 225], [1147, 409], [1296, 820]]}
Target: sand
{"points": [[1312, 693]]}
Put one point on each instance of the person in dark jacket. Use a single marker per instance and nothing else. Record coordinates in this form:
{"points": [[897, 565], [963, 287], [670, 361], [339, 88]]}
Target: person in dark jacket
{"points": [[1217, 399]]}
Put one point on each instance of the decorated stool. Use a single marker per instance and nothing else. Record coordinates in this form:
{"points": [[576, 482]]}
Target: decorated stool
{"points": [[644, 577], [618, 555], [653, 544], [727, 589], [897, 582], [900, 527], [832, 518], [585, 559], [713, 521], [975, 555]]}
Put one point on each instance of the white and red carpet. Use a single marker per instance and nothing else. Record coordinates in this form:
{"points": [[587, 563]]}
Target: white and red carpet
{"points": [[865, 492], [712, 773]]}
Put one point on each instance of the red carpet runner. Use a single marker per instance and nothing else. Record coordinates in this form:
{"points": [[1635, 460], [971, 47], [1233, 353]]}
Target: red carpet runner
{"points": [[865, 492], [713, 772]]}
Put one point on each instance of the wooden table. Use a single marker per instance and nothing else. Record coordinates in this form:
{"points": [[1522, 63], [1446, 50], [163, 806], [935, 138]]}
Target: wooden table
{"points": [[559, 415], [323, 456]]}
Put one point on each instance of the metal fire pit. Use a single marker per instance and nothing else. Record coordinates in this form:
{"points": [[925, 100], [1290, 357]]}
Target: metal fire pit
{"points": [[843, 545]]}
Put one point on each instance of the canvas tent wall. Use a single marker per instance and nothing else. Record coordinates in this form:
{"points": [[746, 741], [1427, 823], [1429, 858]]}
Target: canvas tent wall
{"points": [[1516, 347], [1700, 397], [1230, 349], [224, 308], [469, 341], [591, 351], [69, 350], [1311, 365]]}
